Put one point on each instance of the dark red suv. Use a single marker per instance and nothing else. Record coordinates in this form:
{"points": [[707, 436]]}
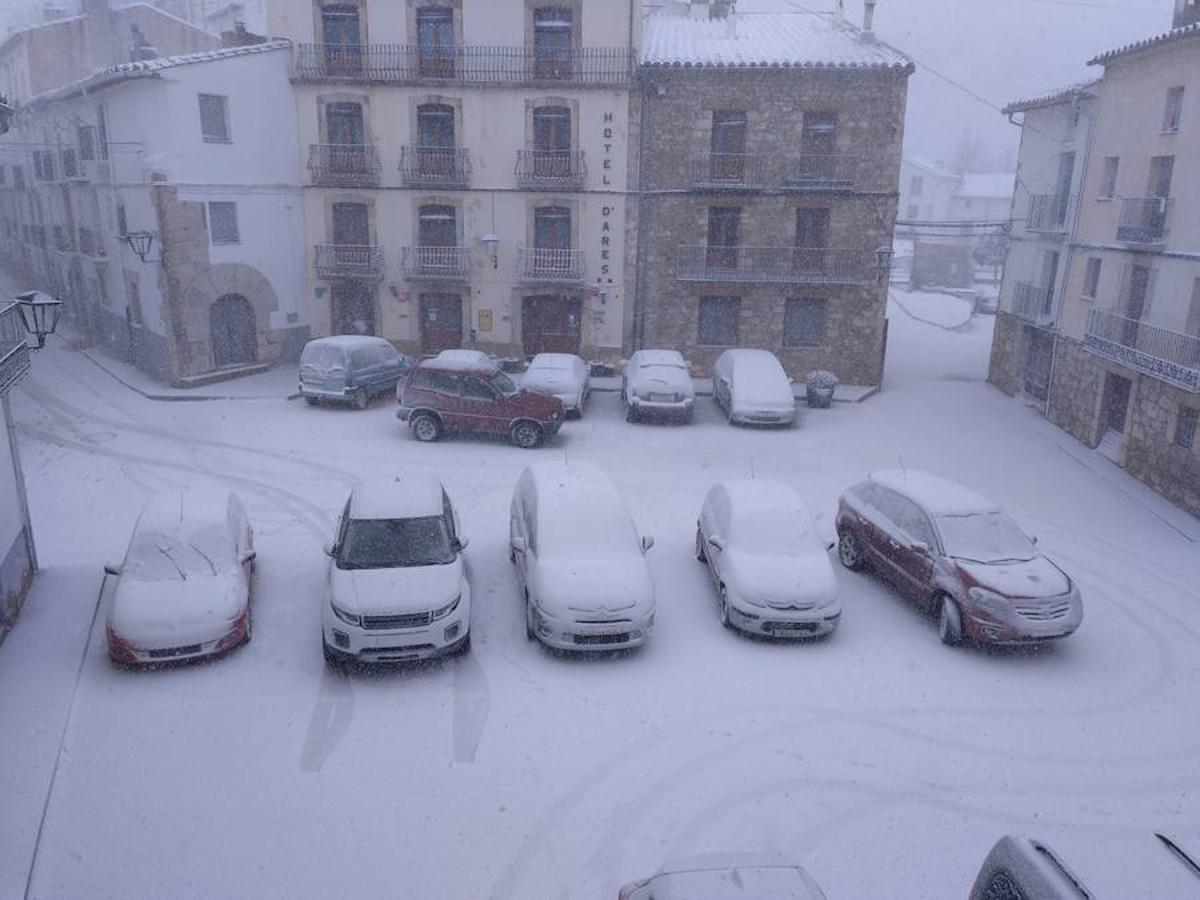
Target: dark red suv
{"points": [[439, 396]]}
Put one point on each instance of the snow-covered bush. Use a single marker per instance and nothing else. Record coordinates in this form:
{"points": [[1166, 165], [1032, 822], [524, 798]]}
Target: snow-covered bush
{"points": [[821, 385]]}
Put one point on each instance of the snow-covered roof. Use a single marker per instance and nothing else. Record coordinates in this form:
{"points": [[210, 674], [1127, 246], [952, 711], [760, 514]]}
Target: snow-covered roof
{"points": [[744, 40], [997, 186], [1063, 95], [1175, 34], [937, 495], [400, 498]]}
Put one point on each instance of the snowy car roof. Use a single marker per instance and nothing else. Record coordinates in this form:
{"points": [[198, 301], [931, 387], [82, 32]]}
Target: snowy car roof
{"points": [[349, 341], [750, 360], [606, 529], [939, 496], [554, 358], [401, 498]]}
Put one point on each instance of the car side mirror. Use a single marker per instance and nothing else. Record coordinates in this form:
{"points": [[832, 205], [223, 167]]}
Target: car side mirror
{"points": [[716, 542], [112, 569], [330, 549], [1034, 539], [920, 547], [519, 545], [830, 545], [462, 543], [249, 556], [647, 542]]}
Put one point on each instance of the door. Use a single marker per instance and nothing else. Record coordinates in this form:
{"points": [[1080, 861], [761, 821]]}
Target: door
{"points": [[1135, 303], [232, 332], [353, 307], [553, 42], [345, 133], [1039, 353], [552, 142], [914, 566], [435, 41], [817, 141], [441, 322], [552, 239], [343, 39], [435, 140], [812, 239], [482, 408], [724, 237], [1050, 280], [728, 161], [1062, 188], [551, 324], [1114, 405]]}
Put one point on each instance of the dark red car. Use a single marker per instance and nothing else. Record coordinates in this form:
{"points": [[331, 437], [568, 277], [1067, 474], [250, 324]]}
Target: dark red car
{"points": [[439, 396]]}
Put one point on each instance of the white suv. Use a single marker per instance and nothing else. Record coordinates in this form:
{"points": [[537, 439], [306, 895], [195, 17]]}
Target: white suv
{"points": [[398, 586]]}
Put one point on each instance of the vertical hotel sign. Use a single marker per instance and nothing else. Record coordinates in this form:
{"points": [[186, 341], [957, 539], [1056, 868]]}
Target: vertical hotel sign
{"points": [[607, 210]]}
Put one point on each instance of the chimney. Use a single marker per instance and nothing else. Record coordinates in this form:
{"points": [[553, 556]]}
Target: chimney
{"points": [[868, 29], [1187, 12]]}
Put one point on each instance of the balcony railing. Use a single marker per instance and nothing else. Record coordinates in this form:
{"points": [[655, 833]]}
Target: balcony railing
{"points": [[1032, 302], [481, 65], [344, 165], [446, 167], [436, 263], [728, 171], [776, 265], [537, 264], [1143, 220], [356, 261], [1048, 212], [14, 352], [551, 168], [1171, 356], [821, 172]]}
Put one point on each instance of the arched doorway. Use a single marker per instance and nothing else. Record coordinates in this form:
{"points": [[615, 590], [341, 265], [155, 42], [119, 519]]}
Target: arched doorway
{"points": [[233, 333]]}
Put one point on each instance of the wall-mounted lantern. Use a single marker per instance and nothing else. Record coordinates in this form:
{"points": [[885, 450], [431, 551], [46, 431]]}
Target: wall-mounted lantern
{"points": [[140, 243], [492, 243], [39, 314]]}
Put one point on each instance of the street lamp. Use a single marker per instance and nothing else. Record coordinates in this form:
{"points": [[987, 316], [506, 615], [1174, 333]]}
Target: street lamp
{"points": [[39, 314], [883, 263], [140, 243]]}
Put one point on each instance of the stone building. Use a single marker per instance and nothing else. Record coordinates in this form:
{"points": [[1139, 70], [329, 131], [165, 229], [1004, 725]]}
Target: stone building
{"points": [[770, 159], [18, 560], [1122, 335]]}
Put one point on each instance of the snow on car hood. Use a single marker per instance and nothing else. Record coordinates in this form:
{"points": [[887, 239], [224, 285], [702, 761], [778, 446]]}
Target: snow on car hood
{"points": [[550, 381], [662, 380], [156, 615], [763, 393], [781, 581], [572, 589], [1037, 577], [406, 589]]}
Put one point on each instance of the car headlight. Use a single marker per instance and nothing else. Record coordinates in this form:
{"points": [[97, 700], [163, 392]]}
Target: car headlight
{"points": [[443, 611], [989, 601], [345, 616]]}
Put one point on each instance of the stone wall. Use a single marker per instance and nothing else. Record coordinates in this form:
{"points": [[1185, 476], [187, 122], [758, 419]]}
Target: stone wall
{"points": [[1151, 454], [1075, 386], [1004, 366]]}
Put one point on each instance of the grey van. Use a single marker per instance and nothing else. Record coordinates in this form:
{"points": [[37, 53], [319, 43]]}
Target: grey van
{"points": [[350, 368]]}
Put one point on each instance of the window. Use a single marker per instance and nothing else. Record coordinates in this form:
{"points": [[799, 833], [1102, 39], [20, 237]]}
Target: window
{"points": [[70, 163], [1185, 427], [1091, 277], [435, 126], [436, 226], [3, 177], [87, 142], [724, 236], [804, 322], [819, 133], [122, 224], [1174, 111], [474, 389], [718, 325], [43, 165], [214, 118], [18, 177], [222, 222], [553, 40], [435, 41], [1108, 181], [1161, 170], [917, 185], [552, 228]]}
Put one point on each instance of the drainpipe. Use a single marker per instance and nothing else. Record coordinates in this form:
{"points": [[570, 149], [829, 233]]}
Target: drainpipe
{"points": [[639, 288]]}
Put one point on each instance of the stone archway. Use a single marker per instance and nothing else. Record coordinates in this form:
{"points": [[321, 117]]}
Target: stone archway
{"points": [[232, 332]]}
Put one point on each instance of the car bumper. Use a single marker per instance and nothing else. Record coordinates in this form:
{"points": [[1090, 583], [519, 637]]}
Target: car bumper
{"points": [[551, 427], [401, 645], [763, 417], [662, 407], [129, 654], [587, 637], [1018, 630], [783, 624], [324, 393], [403, 413]]}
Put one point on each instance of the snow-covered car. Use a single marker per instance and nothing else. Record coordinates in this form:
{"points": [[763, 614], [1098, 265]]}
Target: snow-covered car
{"points": [[753, 389], [561, 375], [184, 588], [398, 586], [462, 357], [350, 368], [958, 555], [579, 559], [1080, 863], [738, 876], [656, 382], [771, 570]]}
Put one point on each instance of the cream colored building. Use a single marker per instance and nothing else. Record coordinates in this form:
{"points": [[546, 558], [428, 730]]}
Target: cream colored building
{"points": [[466, 169]]}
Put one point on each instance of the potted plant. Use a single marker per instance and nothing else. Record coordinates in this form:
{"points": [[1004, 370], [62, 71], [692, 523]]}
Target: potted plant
{"points": [[821, 385]]}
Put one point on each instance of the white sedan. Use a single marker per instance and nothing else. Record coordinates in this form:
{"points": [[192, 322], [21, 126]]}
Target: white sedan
{"points": [[657, 382], [561, 375], [772, 573], [184, 588], [753, 389]]}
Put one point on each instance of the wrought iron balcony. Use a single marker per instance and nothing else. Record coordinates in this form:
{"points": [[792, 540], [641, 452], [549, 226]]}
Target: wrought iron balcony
{"points": [[436, 263], [1032, 302], [821, 172], [776, 265], [355, 261], [482, 65], [563, 169], [728, 171], [537, 264], [1048, 212], [1143, 220], [1171, 356], [344, 165], [14, 352], [444, 167]]}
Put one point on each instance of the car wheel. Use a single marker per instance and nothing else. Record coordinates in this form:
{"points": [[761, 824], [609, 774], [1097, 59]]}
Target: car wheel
{"points": [[700, 554], [312, 401], [723, 601], [631, 414], [526, 435], [849, 550], [530, 628], [249, 626], [359, 399], [426, 428], [950, 624], [690, 416]]}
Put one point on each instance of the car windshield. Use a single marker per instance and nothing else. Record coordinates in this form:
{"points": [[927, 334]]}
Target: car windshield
{"points": [[159, 556], [984, 537], [395, 543], [503, 385], [663, 365]]}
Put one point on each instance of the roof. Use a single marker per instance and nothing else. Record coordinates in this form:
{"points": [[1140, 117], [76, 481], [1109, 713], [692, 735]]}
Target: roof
{"points": [[1175, 34], [936, 169], [150, 68], [169, 511], [745, 40], [997, 186], [400, 498], [937, 495], [1066, 94]]}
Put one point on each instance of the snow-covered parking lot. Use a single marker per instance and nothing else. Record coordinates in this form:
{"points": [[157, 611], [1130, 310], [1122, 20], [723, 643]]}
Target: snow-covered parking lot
{"points": [[885, 762]]}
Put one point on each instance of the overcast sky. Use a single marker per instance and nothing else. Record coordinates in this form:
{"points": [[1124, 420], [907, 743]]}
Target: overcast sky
{"points": [[1002, 50]]}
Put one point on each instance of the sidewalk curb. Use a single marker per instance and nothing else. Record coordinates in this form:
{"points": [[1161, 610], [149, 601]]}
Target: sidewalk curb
{"points": [[165, 398]]}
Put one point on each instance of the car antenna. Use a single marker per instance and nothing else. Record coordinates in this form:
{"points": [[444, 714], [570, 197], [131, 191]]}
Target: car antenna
{"points": [[902, 469]]}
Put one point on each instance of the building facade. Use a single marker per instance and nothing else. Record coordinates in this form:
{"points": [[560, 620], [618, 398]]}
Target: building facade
{"points": [[171, 150], [18, 559], [1124, 370], [466, 169], [770, 158]]}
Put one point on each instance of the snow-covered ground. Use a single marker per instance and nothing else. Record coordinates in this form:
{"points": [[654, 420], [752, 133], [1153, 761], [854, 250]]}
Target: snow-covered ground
{"points": [[934, 307], [884, 761]]}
